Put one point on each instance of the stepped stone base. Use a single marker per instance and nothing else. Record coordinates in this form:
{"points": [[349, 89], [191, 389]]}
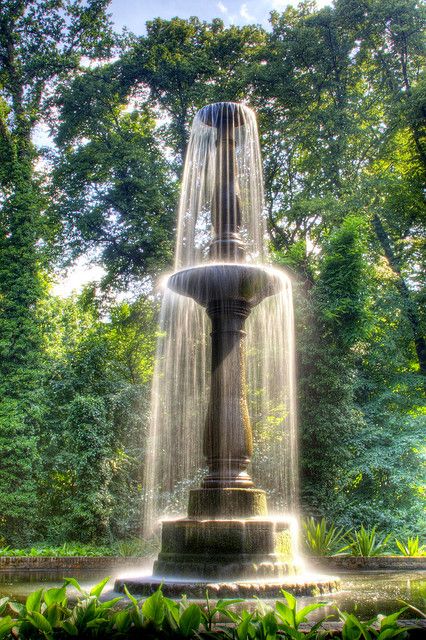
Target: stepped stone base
{"points": [[221, 549], [226, 558]]}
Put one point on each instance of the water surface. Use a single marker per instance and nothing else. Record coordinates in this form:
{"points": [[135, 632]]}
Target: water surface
{"points": [[365, 593]]}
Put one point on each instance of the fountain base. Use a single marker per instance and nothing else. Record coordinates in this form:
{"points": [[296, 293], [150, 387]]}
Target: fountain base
{"points": [[235, 557], [227, 557], [221, 549]]}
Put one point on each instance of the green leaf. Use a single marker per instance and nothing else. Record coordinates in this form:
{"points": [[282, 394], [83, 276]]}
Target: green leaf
{"points": [[54, 614], [108, 604], [6, 624], [243, 629], [291, 600], [39, 622], [137, 617], [301, 615], [17, 607], [53, 596], [190, 620], [353, 628], [98, 588], [284, 612], [270, 625], [33, 602], [154, 608], [131, 598], [292, 632], [70, 628], [97, 622], [225, 603], [123, 621], [391, 620], [174, 611], [3, 604], [73, 582], [392, 632]]}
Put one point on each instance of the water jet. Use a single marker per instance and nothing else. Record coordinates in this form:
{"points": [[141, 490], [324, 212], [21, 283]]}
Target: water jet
{"points": [[226, 542]]}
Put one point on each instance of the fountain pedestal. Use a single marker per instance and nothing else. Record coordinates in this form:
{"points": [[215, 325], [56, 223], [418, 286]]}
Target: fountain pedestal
{"points": [[227, 533]]}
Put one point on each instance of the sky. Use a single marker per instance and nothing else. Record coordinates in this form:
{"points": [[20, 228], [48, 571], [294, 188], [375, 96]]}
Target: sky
{"points": [[133, 14]]}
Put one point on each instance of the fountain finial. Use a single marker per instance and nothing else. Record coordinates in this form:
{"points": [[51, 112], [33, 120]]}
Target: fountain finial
{"points": [[226, 118]]}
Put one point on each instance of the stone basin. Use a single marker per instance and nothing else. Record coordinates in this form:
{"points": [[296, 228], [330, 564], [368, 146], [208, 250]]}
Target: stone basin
{"points": [[246, 283]]}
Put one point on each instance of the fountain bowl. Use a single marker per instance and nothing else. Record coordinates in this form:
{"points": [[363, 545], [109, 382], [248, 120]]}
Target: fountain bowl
{"points": [[211, 282]]}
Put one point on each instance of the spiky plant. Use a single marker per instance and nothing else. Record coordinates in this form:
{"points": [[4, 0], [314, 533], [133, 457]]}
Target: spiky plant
{"points": [[323, 539]]}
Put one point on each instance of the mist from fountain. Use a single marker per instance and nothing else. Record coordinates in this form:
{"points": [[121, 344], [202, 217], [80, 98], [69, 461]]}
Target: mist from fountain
{"points": [[174, 460]]}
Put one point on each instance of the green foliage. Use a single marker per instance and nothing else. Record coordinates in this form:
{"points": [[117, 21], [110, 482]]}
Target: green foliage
{"points": [[383, 481], [411, 547], [137, 547], [123, 548], [382, 628], [124, 200], [97, 393], [321, 538], [66, 550], [340, 100], [48, 614], [367, 542], [18, 473], [40, 43], [341, 288], [328, 323]]}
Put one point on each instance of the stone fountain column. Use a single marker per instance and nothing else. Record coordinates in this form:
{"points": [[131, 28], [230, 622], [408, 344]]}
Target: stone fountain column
{"points": [[227, 490]]}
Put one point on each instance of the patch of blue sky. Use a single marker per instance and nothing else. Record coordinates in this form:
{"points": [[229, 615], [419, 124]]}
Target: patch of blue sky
{"points": [[133, 14]]}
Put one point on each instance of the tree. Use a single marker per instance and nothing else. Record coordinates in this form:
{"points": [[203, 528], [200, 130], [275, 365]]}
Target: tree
{"points": [[114, 190], [123, 134], [341, 108], [383, 480], [392, 51], [188, 63], [334, 315], [98, 371], [40, 42], [335, 145]]}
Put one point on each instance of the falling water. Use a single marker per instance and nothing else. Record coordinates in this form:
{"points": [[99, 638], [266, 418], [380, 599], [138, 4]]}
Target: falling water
{"points": [[174, 461]]}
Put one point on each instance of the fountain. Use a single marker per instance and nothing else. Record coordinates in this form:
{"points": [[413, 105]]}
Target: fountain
{"points": [[226, 542]]}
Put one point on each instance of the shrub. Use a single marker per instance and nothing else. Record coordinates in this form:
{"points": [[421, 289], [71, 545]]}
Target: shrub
{"points": [[366, 542], [411, 547], [321, 538], [48, 614]]}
